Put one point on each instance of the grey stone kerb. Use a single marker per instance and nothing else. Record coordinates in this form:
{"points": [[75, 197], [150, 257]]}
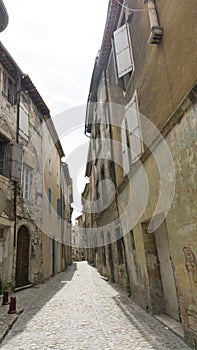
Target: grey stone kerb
{"points": [[3, 16]]}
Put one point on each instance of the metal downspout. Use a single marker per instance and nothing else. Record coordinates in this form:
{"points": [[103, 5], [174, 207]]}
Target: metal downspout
{"points": [[18, 92]]}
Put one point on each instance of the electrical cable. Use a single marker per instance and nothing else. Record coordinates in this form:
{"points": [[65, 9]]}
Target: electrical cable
{"points": [[136, 10]]}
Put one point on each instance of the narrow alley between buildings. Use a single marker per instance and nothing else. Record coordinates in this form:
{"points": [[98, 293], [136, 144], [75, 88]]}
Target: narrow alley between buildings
{"points": [[77, 309]]}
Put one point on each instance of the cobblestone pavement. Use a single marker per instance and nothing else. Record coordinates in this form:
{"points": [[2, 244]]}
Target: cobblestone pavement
{"points": [[79, 310]]}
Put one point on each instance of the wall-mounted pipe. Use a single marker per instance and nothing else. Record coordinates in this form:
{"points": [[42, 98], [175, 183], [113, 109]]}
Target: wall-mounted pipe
{"points": [[18, 93]]}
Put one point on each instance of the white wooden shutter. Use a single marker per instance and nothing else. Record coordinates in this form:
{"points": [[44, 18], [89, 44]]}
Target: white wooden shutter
{"points": [[24, 120], [136, 148], [123, 50], [132, 118]]}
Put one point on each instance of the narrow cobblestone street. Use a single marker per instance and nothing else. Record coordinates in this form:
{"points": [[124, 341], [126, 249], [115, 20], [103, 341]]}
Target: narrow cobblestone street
{"points": [[79, 310]]}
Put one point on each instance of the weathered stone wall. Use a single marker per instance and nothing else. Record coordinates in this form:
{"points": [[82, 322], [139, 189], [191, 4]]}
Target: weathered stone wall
{"points": [[32, 213], [162, 77], [180, 223]]}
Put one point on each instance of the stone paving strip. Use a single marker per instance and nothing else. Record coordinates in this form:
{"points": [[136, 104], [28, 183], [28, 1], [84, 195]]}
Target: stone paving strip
{"points": [[78, 310]]}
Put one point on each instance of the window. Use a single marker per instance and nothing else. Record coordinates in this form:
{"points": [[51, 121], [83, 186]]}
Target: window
{"points": [[49, 199], [133, 129], [104, 189], [26, 181], [119, 244], [59, 208], [112, 171], [8, 88], [103, 250], [24, 121], [123, 51], [50, 166], [125, 153], [132, 240], [1, 233], [3, 157]]}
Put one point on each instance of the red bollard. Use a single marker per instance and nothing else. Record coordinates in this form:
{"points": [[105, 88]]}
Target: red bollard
{"points": [[12, 309], [5, 298]]}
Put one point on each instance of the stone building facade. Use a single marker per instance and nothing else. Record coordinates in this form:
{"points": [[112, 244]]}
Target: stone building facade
{"points": [[78, 240], [141, 119], [31, 182], [67, 199]]}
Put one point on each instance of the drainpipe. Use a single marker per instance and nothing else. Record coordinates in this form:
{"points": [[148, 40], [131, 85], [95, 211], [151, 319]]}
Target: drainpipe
{"points": [[152, 14], [18, 90]]}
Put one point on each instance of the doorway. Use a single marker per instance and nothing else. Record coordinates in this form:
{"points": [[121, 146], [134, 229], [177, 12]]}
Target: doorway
{"points": [[167, 274], [110, 258], [22, 257], [53, 256], [163, 294]]}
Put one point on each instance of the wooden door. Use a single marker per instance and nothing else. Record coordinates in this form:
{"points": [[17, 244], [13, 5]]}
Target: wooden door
{"points": [[167, 274], [22, 257], [53, 256]]}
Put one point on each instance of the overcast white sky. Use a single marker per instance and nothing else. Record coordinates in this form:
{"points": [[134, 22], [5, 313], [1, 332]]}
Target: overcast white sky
{"points": [[56, 43]]}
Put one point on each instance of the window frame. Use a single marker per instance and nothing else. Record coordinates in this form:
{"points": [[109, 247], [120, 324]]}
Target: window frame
{"points": [[7, 89]]}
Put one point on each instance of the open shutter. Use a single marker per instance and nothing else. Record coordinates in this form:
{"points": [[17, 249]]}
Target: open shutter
{"points": [[136, 147], [132, 118], [123, 50]]}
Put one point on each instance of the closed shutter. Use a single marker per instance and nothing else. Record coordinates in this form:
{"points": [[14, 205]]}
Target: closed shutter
{"points": [[123, 50], [16, 162], [26, 181], [24, 121]]}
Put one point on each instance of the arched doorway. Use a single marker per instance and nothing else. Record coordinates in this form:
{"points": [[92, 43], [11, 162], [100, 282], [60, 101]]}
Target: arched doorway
{"points": [[22, 257]]}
